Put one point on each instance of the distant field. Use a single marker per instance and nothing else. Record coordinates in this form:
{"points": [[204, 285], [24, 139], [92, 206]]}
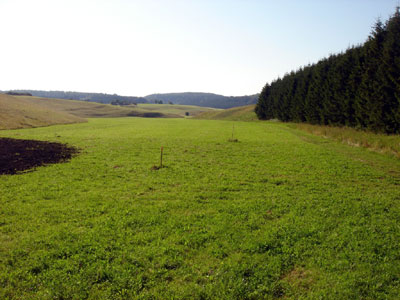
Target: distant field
{"points": [[241, 113], [280, 214], [26, 112], [175, 109]]}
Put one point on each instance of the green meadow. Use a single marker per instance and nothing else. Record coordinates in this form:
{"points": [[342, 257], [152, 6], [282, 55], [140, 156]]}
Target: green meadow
{"points": [[279, 214]]}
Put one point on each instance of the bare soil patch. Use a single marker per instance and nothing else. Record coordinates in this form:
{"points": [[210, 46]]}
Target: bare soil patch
{"points": [[17, 156]]}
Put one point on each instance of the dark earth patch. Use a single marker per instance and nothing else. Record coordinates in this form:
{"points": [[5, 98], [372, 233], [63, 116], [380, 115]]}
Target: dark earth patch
{"points": [[146, 114], [20, 155]]}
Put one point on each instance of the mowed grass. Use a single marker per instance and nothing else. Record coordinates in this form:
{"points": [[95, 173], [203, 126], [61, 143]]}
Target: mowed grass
{"points": [[278, 214]]}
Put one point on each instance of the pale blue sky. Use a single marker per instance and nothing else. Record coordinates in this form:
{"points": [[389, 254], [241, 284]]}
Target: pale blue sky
{"points": [[157, 46]]}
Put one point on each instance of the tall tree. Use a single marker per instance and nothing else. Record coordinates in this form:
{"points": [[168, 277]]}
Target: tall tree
{"points": [[390, 70]]}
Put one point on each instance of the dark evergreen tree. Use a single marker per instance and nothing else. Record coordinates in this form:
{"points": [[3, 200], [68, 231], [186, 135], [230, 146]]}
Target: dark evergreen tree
{"points": [[390, 70], [354, 61], [263, 107], [303, 78], [369, 101]]}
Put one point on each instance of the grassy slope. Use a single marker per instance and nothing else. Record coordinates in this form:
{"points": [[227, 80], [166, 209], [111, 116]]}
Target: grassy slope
{"points": [[24, 112], [242, 113], [82, 108], [279, 214], [18, 112], [382, 143], [94, 110], [88, 109]]}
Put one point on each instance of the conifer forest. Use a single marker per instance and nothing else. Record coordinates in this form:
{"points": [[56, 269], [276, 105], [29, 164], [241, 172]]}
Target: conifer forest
{"points": [[357, 88]]}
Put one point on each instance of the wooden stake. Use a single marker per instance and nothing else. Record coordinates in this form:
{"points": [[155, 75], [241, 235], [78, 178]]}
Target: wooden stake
{"points": [[162, 149]]}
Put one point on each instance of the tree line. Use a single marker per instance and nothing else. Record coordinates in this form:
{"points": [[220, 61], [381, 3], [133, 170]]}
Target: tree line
{"points": [[203, 99], [123, 102], [18, 94], [91, 97], [358, 88]]}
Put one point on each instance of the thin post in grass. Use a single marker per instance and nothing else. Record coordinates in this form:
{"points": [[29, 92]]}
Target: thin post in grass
{"points": [[162, 150], [233, 131], [154, 168]]}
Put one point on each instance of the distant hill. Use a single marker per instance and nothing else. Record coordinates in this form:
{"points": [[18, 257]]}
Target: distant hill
{"points": [[91, 97], [241, 113], [189, 98], [203, 99]]}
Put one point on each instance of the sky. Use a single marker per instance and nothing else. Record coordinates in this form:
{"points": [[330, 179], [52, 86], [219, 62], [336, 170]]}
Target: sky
{"points": [[141, 47]]}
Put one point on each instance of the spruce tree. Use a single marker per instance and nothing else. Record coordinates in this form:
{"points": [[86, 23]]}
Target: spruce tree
{"points": [[390, 72]]}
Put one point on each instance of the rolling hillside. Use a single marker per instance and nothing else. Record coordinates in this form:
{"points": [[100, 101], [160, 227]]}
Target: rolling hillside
{"points": [[82, 109], [86, 109], [20, 112], [27, 111], [242, 113]]}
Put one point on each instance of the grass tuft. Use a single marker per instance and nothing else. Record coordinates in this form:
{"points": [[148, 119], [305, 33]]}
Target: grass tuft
{"points": [[233, 140]]}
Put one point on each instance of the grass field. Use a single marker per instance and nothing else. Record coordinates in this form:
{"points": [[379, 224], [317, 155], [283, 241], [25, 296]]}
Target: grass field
{"points": [[278, 214], [175, 109]]}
